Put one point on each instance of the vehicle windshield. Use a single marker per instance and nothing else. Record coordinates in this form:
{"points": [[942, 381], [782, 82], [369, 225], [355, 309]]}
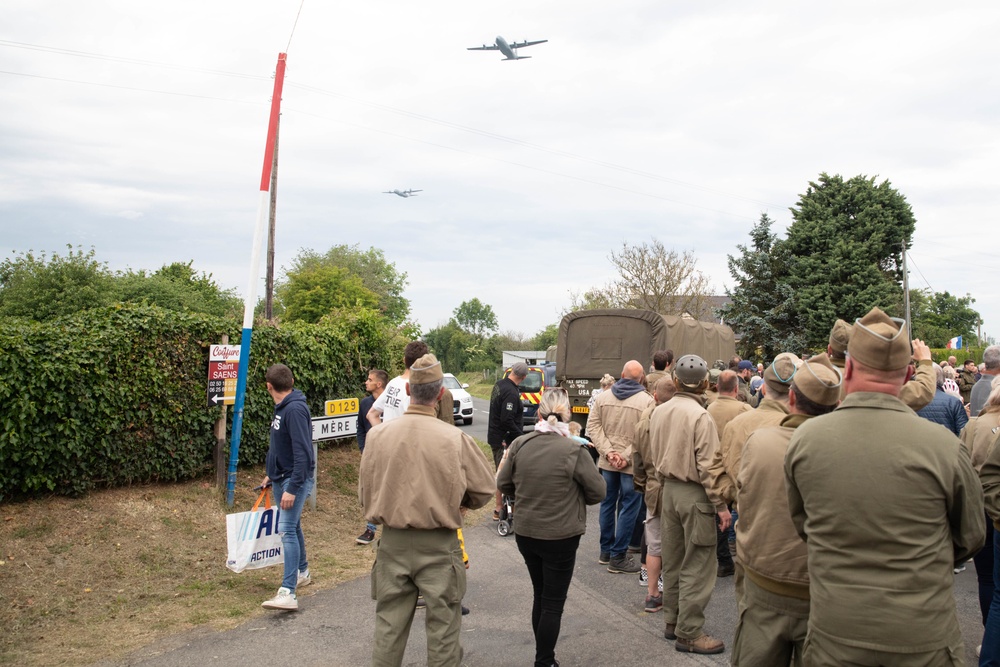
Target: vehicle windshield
{"points": [[532, 383], [452, 383]]}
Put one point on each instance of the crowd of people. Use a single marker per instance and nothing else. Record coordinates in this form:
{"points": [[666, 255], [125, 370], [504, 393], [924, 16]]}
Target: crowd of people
{"points": [[850, 486]]}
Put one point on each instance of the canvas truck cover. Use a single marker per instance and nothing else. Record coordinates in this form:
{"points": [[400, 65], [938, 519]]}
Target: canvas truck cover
{"points": [[594, 342]]}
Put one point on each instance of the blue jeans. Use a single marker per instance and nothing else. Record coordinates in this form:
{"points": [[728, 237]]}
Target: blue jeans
{"points": [[623, 501], [290, 526], [990, 655]]}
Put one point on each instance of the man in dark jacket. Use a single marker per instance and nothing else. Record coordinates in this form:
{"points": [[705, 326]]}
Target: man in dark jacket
{"points": [[375, 385], [966, 379], [945, 409], [506, 416], [290, 467]]}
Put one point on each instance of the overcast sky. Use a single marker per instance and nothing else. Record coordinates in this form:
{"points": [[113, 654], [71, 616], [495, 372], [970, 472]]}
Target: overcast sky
{"points": [[139, 128]]}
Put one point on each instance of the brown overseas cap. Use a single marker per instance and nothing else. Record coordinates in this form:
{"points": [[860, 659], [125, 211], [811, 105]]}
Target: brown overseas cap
{"points": [[425, 370], [778, 376], [880, 342], [819, 380], [840, 336]]}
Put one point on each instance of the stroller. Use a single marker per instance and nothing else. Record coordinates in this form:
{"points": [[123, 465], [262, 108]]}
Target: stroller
{"points": [[506, 523]]}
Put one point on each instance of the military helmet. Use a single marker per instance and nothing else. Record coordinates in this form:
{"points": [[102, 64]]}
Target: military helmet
{"points": [[691, 369]]}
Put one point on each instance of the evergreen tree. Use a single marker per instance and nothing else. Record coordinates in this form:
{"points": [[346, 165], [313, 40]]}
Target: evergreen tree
{"points": [[762, 311], [845, 248]]}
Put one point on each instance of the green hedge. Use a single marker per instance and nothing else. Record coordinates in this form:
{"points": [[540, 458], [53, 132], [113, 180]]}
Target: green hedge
{"points": [[939, 354], [118, 395]]}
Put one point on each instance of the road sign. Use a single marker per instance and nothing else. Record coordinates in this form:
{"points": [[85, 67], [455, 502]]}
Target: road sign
{"points": [[342, 406], [331, 428], [223, 370]]}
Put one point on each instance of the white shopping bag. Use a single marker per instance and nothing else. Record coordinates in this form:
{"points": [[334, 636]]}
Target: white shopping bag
{"points": [[253, 536]]}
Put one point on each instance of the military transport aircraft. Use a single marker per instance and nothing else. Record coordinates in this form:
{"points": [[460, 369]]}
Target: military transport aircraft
{"points": [[509, 50], [402, 193]]}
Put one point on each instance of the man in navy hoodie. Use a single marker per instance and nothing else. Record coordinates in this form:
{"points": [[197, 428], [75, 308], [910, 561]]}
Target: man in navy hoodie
{"points": [[290, 468]]}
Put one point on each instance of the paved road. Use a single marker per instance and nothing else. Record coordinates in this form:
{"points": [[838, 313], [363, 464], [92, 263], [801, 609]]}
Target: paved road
{"points": [[603, 623]]}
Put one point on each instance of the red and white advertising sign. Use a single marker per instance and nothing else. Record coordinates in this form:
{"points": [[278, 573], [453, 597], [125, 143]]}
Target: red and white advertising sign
{"points": [[223, 369]]}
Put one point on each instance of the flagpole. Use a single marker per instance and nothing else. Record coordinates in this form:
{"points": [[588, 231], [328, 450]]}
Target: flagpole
{"points": [[250, 300]]}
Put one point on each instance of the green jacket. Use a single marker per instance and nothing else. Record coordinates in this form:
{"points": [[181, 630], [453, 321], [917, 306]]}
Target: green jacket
{"points": [[888, 503]]}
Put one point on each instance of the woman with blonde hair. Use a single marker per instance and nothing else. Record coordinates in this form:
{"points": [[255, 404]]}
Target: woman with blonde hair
{"points": [[554, 479], [977, 437], [606, 383]]}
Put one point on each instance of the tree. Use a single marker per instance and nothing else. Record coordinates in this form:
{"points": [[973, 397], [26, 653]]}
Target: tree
{"points": [[41, 287], [178, 286], [845, 248], [545, 338], [452, 345], [653, 278], [937, 317], [762, 311], [375, 273], [320, 289], [476, 317]]}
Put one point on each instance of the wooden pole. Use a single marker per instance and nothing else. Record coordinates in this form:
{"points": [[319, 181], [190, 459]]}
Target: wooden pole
{"points": [[269, 296]]}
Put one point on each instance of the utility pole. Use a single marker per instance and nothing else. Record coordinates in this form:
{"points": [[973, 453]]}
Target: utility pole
{"points": [[269, 289], [906, 296]]}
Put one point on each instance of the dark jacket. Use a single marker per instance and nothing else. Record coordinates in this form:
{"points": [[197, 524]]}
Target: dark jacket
{"points": [[363, 424], [290, 454], [506, 414], [554, 480], [965, 381], [947, 411]]}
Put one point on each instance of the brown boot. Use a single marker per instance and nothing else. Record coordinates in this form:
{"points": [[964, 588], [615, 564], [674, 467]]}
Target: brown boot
{"points": [[669, 632], [704, 645]]}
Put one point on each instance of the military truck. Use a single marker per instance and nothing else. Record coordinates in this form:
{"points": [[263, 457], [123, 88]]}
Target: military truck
{"points": [[594, 342]]}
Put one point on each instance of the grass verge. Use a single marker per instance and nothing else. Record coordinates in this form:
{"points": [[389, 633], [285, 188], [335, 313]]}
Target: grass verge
{"points": [[92, 578]]}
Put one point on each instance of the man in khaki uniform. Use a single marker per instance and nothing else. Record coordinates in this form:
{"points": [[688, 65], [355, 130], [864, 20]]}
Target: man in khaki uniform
{"points": [[723, 411], [611, 426], [648, 484], [712, 393], [662, 361], [772, 627], [887, 505], [683, 441], [416, 476], [772, 409], [726, 407]]}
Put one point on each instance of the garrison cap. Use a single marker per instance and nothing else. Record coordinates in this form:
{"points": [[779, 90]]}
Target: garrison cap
{"points": [[425, 370], [819, 380], [880, 342], [840, 336], [778, 376]]}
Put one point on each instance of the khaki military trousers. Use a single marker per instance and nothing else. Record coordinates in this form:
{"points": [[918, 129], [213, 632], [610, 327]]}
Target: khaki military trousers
{"points": [[821, 651], [411, 562], [688, 540], [771, 630]]}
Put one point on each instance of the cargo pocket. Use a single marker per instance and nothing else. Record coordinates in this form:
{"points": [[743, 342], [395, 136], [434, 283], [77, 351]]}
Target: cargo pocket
{"points": [[703, 529], [458, 579]]}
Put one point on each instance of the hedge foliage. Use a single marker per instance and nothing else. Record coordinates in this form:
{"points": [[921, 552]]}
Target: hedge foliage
{"points": [[117, 395], [939, 354]]}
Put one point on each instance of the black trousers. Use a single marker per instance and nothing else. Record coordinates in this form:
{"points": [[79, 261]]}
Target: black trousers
{"points": [[550, 565]]}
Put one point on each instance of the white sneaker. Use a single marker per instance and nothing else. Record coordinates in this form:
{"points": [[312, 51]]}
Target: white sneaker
{"points": [[304, 579], [285, 599], [979, 650], [643, 576], [659, 584]]}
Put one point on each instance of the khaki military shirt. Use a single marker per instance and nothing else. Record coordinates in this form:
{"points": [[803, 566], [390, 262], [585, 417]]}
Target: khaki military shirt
{"points": [[887, 504], [611, 425], [767, 543], [683, 440], [919, 391], [644, 474], [727, 459], [725, 409], [417, 472], [653, 378], [978, 435], [445, 408]]}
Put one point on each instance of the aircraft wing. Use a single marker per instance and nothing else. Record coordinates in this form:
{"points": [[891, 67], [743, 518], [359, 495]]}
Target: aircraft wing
{"points": [[414, 190], [493, 47], [521, 45]]}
